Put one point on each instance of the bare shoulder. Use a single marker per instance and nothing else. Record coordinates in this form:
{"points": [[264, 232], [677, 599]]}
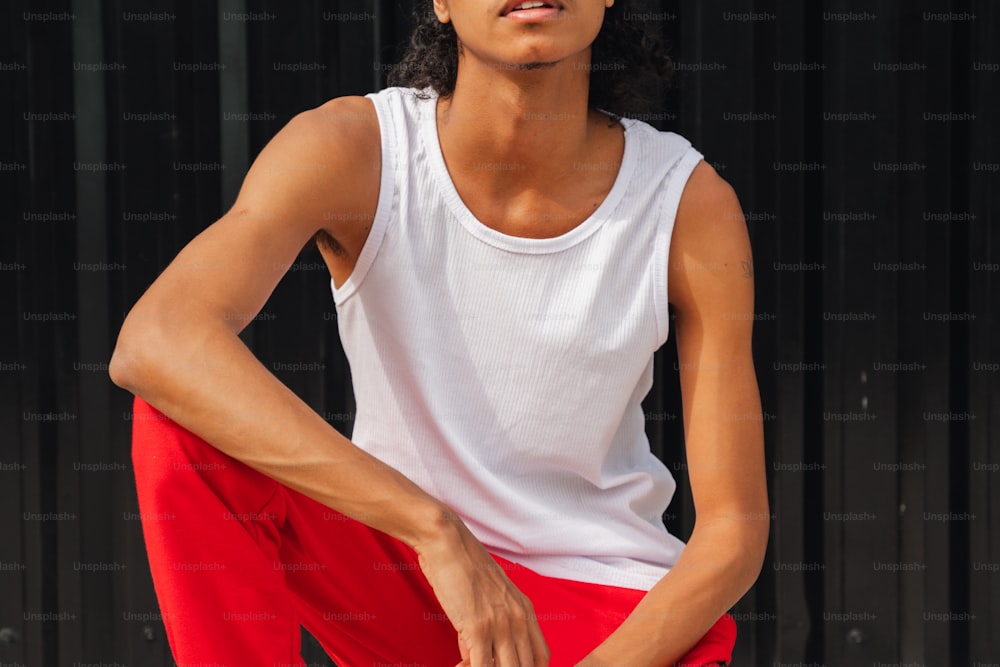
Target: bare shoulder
{"points": [[709, 213], [339, 138], [710, 258], [323, 168], [341, 133], [350, 122]]}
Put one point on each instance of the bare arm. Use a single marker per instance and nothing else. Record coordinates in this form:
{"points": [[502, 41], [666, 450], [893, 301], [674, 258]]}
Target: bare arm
{"points": [[179, 350], [711, 287]]}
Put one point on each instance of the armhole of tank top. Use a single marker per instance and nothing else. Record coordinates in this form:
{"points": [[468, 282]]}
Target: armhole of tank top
{"points": [[678, 177], [383, 208]]}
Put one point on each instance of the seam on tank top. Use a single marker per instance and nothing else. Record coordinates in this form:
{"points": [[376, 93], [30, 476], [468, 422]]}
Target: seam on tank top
{"points": [[661, 255], [387, 195], [679, 174]]}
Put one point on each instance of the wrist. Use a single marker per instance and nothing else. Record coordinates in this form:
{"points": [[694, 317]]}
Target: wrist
{"points": [[436, 526]]}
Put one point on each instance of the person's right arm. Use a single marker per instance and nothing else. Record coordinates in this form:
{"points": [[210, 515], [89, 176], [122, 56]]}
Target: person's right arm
{"points": [[179, 350]]}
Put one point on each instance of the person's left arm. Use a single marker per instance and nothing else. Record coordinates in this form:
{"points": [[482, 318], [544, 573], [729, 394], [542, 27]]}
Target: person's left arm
{"points": [[710, 279]]}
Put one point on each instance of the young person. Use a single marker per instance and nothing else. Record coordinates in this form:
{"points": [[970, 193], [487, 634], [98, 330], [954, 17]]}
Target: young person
{"points": [[502, 253]]}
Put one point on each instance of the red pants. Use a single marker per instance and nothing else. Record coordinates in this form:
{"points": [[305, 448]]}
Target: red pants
{"points": [[240, 561]]}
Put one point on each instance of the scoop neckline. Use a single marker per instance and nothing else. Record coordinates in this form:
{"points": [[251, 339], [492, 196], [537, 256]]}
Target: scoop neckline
{"points": [[432, 142]]}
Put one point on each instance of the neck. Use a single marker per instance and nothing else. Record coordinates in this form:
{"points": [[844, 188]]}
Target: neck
{"points": [[512, 125]]}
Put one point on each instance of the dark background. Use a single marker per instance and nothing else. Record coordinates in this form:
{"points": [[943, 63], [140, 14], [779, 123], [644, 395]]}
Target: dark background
{"points": [[877, 268]]}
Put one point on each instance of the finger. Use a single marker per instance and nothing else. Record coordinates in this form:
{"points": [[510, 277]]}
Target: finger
{"points": [[539, 647], [505, 646], [464, 652], [505, 655], [481, 654], [524, 629], [523, 647]]}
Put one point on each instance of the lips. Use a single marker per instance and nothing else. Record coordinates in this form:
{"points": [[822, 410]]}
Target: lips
{"points": [[527, 5]]}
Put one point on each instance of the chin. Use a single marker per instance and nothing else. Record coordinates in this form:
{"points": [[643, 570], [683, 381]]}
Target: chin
{"points": [[533, 55], [536, 65]]}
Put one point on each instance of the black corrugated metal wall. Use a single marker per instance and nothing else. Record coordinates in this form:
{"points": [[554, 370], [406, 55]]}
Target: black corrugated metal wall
{"points": [[862, 138]]}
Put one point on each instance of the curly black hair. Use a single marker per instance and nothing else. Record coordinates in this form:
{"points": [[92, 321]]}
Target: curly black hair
{"points": [[630, 67]]}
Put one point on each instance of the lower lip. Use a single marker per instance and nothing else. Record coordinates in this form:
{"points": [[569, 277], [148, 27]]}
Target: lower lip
{"points": [[537, 14]]}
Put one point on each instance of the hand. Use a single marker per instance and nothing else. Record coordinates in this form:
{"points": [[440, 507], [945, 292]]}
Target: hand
{"points": [[496, 623]]}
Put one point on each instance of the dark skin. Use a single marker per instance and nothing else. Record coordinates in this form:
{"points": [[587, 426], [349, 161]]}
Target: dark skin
{"points": [[179, 347]]}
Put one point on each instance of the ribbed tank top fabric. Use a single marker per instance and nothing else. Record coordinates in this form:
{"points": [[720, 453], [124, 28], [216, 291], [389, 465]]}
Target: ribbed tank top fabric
{"points": [[504, 375]]}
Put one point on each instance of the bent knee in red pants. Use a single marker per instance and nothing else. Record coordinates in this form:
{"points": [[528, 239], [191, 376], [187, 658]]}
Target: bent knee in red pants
{"points": [[239, 562]]}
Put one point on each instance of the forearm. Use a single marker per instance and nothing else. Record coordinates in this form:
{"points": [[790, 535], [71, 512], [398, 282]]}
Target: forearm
{"points": [[210, 383], [719, 564]]}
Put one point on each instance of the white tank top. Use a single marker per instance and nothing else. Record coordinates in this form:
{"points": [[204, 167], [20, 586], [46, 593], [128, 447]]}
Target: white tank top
{"points": [[503, 374]]}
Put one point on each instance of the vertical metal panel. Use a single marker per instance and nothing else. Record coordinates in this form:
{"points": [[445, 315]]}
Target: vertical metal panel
{"points": [[17, 577], [91, 544], [781, 231], [922, 94], [921, 348], [859, 334], [233, 95], [47, 335], [981, 62]]}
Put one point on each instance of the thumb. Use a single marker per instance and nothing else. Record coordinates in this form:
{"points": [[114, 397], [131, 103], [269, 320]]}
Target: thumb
{"points": [[464, 651]]}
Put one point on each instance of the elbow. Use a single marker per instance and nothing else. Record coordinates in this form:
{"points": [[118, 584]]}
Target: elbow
{"points": [[158, 348], [758, 548], [121, 368], [755, 535], [755, 530], [745, 540], [750, 552], [125, 362], [131, 360]]}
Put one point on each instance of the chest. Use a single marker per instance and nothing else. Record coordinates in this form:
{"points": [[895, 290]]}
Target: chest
{"points": [[536, 212]]}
